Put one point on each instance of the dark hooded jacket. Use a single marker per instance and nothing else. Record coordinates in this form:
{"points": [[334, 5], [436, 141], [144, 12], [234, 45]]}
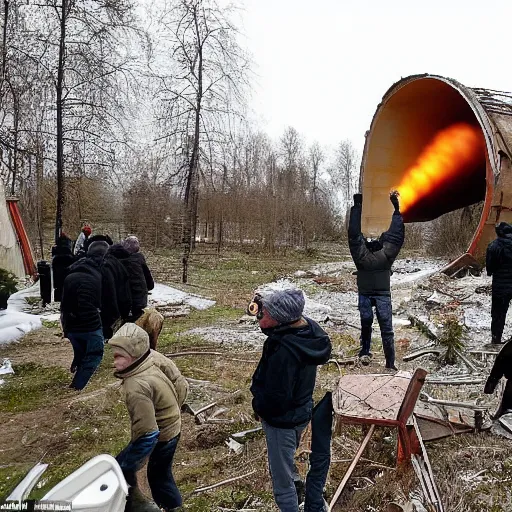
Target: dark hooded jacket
{"points": [[499, 261], [81, 297], [373, 261], [283, 383], [62, 259], [139, 276], [121, 280]]}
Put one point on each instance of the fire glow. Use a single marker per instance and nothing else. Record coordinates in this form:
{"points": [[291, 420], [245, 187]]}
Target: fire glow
{"points": [[450, 153]]}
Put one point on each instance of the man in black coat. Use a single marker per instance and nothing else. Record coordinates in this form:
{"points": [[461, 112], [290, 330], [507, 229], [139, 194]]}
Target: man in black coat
{"points": [[62, 259], [141, 280], [499, 266], [282, 387], [373, 259], [115, 290], [80, 316]]}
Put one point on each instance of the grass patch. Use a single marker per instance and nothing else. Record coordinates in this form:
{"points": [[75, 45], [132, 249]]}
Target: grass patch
{"points": [[10, 477], [32, 386]]}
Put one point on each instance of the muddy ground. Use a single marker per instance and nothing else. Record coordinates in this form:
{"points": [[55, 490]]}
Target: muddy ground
{"points": [[42, 419]]}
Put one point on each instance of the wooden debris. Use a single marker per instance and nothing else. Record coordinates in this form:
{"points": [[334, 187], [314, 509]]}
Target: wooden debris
{"points": [[224, 482], [352, 466], [422, 352], [464, 405], [426, 471], [461, 381], [241, 436], [235, 446]]}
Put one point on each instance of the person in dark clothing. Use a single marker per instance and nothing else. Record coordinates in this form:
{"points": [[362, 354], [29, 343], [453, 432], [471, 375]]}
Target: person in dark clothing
{"points": [[62, 259], [499, 266], [121, 293], [113, 276], [80, 316], [502, 368], [282, 387], [97, 238], [141, 280], [373, 259]]}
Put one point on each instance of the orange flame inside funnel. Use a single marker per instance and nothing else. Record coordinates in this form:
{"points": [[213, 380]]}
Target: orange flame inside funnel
{"points": [[452, 151]]}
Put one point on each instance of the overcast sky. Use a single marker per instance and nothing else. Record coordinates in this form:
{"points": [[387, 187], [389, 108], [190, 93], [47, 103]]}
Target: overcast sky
{"points": [[323, 66]]}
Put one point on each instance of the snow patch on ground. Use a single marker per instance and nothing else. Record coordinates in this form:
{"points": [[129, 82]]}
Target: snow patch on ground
{"points": [[317, 310], [16, 321], [248, 337], [163, 295]]}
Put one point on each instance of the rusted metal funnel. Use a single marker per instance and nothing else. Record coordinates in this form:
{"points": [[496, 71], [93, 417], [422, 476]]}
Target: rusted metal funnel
{"points": [[411, 113]]}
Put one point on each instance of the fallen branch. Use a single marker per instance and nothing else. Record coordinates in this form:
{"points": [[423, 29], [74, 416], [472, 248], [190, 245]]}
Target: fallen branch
{"points": [[422, 327], [448, 403], [421, 352], [455, 382], [468, 363], [351, 468], [224, 482]]}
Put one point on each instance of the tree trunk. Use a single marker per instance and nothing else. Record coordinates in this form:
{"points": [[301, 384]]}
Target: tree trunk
{"points": [[60, 130], [39, 191], [190, 192]]}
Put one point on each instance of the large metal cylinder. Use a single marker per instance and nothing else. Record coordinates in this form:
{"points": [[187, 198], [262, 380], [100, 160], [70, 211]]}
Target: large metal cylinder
{"points": [[410, 115]]}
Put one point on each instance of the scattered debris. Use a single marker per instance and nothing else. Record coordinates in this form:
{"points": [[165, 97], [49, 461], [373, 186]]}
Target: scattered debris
{"points": [[235, 446], [224, 482], [6, 367]]}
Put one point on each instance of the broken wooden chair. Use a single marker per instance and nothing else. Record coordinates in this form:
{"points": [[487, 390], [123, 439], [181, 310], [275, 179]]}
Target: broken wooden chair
{"points": [[379, 400]]}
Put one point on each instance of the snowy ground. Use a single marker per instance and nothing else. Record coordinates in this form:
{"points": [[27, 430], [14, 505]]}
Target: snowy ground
{"points": [[418, 288], [24, 313]]}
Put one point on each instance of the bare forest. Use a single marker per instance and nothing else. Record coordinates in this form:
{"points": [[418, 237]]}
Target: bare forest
{"points": [[134, 118]]}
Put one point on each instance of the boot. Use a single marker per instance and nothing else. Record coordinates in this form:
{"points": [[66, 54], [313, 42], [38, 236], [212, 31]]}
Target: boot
{"points": [[137, 502]]}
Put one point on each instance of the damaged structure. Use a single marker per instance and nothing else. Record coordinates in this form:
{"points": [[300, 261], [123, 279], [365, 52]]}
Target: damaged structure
{"points": [[412, 113]]}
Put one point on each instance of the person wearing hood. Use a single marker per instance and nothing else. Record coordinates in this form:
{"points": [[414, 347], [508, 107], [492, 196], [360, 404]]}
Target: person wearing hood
{"points": [[141, 280], [283, 384], [62, 259], [80, 315], [499, 266], [154, 392], [374, 258]]}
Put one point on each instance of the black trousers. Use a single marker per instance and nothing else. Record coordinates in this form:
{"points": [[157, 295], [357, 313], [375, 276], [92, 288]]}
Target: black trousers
{"points": [[499, 308]]}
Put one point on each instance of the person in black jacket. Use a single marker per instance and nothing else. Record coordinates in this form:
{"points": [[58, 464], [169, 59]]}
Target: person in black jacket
{"points": [[373, 259], [141, 280], [282, 386], [499, 266], [80, 316], [62, 259]]}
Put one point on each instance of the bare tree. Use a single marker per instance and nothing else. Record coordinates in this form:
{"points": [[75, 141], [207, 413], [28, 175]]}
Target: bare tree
{"points": [[343, 173], [316, 157], [202, 89]]}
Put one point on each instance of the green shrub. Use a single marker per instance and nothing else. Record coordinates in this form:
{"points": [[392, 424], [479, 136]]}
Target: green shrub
{"points": [[7, 282]]}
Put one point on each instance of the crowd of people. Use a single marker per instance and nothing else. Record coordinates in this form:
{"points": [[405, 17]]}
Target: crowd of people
{"points": [[101, 286], [106, 290]]}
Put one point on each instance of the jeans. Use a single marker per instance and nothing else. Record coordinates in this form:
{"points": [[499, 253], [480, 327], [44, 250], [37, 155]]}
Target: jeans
{"points": [[160, 478], [320, 457], [499, 309], [88, 353], [382, 304], [282, 443]]}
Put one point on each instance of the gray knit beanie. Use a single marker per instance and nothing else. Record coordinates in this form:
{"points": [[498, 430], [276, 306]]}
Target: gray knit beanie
{"points": [[131, 244], [284, 306]]}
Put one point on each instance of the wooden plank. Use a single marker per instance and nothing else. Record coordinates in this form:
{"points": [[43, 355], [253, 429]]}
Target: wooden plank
{"points": [[439, 503], [351, 468]]}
